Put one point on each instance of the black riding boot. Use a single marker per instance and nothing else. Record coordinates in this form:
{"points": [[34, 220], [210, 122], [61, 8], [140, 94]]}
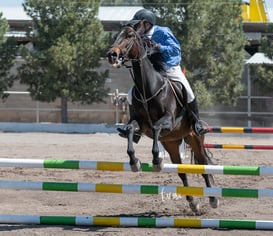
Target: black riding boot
{"points": [[124, 131], [196, 123]]}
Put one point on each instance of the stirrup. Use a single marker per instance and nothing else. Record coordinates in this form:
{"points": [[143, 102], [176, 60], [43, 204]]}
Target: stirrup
{"points": [[124, 134], [200, 127]]}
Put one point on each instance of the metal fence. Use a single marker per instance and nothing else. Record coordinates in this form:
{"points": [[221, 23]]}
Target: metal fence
{"points": [[117, 106]]}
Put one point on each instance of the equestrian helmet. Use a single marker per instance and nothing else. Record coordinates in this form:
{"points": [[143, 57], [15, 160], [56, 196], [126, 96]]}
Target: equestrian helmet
{"points": [[143, 15]]}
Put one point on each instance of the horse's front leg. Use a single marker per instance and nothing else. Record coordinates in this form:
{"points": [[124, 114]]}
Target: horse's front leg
{"points": [[157, 161], [134, 162], [165, 123]]}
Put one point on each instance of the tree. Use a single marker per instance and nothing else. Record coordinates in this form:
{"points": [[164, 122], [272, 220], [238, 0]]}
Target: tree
{"points": [[212, 42], [68, 43], [262, 75], [7, 58]]}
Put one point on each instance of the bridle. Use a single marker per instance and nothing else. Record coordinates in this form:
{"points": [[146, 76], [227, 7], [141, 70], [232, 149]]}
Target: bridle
{"points": [[133, 39]]}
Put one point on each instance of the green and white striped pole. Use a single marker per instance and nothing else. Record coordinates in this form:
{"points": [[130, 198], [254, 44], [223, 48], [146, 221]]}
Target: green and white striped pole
{"points": [[137, 222], [135, 189], [146, 167]]}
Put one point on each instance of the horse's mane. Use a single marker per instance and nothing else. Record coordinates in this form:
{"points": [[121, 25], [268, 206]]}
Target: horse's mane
{"points": [[155, 57]]}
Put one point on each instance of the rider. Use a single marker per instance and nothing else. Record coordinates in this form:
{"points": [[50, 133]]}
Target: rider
{"points": [[145, 23]]}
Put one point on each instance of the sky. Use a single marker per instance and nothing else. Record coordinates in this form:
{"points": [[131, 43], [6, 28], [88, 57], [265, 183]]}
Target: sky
{"points": [[17, 3]]}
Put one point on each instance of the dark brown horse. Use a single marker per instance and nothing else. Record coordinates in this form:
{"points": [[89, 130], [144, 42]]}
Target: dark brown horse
{"points": [[159, 109]]}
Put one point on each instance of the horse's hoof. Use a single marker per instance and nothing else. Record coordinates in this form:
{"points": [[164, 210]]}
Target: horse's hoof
{"points": [[136, 167], [195, 207], [214, 202], [158, 166]]}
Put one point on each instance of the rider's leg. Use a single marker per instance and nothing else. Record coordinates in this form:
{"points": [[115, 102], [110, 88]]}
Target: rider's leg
{"points": [[176, 74], [196, 123]]}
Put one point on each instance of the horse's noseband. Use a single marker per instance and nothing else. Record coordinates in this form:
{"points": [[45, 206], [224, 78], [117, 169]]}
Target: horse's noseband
{"points": [[115, 56], [127, 46]]}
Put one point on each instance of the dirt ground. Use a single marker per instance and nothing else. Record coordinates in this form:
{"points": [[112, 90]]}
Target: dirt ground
{"points": [[110, 147]]}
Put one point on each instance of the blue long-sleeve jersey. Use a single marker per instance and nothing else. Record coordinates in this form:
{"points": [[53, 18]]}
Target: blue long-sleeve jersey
{"points": [[169, 46]]}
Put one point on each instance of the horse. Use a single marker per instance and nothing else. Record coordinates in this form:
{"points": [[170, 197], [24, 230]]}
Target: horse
{"points": [[159, 110]]}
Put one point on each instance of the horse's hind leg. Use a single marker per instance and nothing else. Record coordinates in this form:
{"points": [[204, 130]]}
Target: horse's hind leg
{"points": [[173, 149], [201, 158], [214, 201]]}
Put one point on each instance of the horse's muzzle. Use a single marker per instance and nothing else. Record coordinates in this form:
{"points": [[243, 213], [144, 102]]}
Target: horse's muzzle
{"points": [[114, 59]]}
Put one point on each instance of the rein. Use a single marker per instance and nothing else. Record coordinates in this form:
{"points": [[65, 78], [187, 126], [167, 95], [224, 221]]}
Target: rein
{"points": [[142, 98], [142, 54], [145, 100]]}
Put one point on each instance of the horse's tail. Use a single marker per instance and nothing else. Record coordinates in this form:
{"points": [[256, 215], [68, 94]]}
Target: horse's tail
{"points": [[207, 153], [209, 156], [208, 160]]}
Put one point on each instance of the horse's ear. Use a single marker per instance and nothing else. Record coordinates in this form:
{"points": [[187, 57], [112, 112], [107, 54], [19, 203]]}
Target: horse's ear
{"points": [[114, 37], [140, 27]]}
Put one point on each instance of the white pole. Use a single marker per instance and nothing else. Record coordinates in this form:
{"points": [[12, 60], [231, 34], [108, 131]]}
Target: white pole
{"points": [[248, 96]]}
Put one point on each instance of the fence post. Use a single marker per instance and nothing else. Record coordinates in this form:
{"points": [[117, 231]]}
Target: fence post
{"points": [[37, 112]]}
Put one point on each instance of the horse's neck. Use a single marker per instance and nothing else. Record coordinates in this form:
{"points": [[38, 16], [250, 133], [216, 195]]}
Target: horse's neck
{"points": [[145, 76]]}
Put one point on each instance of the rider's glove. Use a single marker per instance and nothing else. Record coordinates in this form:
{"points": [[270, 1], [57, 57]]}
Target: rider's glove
{"points": [[157, 46]]}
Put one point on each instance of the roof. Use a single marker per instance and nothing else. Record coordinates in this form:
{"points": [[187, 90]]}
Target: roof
{"points": [[14, 13], [119, 14], [110, 14], [259, 58], [111, 17]]}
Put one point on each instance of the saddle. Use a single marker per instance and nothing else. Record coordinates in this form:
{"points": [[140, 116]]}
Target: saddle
{"points": [[180, 94]]}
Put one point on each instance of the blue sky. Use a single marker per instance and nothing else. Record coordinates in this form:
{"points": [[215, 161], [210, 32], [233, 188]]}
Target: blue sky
{"points": [[17, 3]]}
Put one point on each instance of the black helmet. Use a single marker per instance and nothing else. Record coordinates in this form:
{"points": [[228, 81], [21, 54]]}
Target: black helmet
{"points": [[142, 15]]}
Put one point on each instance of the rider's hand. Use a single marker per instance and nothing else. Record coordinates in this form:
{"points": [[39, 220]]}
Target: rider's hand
{"points": [[157, 46]]}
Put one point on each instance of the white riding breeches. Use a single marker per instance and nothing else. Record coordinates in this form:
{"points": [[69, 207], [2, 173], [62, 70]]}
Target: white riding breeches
{"points": [[174, 73]]}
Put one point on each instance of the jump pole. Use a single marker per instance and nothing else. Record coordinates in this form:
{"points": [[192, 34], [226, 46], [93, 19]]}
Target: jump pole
{"points": [[238, 146], [156, 222], [136, 189], [241, 130], [146, 167]]}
